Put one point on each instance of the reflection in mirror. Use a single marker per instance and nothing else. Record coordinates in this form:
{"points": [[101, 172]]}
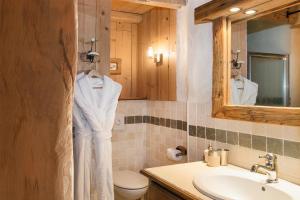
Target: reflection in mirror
{"points": [[265, 66]]}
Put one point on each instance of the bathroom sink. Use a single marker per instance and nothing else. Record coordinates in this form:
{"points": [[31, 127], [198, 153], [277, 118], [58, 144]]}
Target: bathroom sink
{"points": [[233, 183]]}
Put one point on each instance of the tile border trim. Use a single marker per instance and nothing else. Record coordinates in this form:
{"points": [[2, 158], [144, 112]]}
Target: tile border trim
{"points": [[250, 141]]}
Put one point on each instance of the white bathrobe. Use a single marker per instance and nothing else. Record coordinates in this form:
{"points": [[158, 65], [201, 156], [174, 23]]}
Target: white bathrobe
{"points": [[245, 96], [93, 117]]}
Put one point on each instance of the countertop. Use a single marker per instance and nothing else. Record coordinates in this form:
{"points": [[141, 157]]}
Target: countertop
{"points": [[178, 178]]}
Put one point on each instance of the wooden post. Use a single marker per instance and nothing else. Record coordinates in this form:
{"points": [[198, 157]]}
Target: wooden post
{"points": [[37, 70], [103, 17]]}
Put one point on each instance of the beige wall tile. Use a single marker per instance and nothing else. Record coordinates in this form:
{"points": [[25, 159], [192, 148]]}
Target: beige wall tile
{"points": [[291, 133]]}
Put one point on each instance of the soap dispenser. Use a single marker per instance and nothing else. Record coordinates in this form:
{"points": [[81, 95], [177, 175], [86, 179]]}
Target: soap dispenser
{"points": [[210, 148]]}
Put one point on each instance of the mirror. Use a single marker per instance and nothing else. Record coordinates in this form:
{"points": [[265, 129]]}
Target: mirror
{"points": [[265, 60]]}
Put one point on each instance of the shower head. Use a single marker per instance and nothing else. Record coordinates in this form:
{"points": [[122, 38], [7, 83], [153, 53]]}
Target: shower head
{"points": [[91, 56]]}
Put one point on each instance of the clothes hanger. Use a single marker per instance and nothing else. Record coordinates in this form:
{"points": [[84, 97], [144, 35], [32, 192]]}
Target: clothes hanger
{"points": [[96, 75]]}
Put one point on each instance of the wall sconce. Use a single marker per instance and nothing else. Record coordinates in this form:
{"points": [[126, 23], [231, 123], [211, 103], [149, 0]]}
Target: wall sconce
{"points": [[157, 56]]}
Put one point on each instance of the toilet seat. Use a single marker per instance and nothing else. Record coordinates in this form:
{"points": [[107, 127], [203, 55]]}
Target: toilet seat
{"points": [[129, 180]]}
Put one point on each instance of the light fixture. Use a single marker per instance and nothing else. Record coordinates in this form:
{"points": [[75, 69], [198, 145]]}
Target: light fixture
{"points": [[150, 52], [250, 12], [157, 56], [234, 9]]}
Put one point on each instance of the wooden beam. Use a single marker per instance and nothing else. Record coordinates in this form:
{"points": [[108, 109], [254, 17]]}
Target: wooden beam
{"points": [[265, 9], [103, 16], [221, 8], [38, 59], [126, 17], [173, 4]]}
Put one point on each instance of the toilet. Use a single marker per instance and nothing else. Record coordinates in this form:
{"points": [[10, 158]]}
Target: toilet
{"points": [[129, 185]]}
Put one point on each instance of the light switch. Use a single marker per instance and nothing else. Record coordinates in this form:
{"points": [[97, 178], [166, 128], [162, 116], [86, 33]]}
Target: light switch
{"points": [[119, 124]]}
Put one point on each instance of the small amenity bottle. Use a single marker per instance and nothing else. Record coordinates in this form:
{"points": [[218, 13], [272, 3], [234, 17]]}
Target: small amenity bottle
{"points": [[206, 152]]}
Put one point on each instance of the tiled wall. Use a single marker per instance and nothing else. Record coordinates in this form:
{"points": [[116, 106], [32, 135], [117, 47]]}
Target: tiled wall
{"points": [[169, 133], [150, 128], [153, 126], [129, 141], [245, 140]]}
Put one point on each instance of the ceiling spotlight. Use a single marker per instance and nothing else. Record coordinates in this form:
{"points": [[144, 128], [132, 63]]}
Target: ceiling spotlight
{"points": [[250, 12], [234, 9]]}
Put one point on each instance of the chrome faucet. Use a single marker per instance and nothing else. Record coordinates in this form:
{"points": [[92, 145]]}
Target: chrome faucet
{"points": [[270, 168]]}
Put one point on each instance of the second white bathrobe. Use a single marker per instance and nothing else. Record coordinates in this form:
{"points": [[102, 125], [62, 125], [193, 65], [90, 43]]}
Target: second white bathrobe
{"points": [[93, 117], [246, 95]]}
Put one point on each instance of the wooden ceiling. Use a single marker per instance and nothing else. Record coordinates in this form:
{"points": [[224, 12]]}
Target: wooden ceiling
{"points": [[128, 7]]}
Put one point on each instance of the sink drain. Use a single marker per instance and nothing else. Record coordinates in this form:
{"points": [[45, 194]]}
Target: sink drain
{"points": [[263, 188]]}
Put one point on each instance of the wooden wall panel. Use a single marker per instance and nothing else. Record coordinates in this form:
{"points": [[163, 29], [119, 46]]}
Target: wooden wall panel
{"points": [[94, 21], [172, 57], [103, 34], [141, 77], [124, 46], [152, 72], [158, 30], [134, 58], [143, 60], [38, 58], [164, 45]]}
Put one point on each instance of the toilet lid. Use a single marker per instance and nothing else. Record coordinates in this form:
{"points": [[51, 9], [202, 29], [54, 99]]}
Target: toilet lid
{"points": [[129, 180]]}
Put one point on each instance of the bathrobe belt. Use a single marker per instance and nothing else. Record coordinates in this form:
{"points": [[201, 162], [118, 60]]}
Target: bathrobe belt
{"points": [[86, 133]]}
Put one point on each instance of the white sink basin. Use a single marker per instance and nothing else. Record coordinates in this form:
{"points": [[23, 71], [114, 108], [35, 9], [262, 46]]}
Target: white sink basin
{"points": [[233, 183]]}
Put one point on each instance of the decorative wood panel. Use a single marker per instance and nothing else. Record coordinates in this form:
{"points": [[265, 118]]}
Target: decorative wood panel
{"points": [[38, 58], [221, 109]]}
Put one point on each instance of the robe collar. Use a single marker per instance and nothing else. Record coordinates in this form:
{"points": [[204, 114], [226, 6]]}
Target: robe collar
{"points": [[87, 91], [250, 90]]}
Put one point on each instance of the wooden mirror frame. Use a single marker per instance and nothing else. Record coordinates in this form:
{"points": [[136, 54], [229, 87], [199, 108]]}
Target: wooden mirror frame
{"points": [[221, 60]]}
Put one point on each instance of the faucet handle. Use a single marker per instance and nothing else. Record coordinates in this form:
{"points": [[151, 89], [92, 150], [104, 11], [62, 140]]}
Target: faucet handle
{"points": [[269, 156], [270, 159]]}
